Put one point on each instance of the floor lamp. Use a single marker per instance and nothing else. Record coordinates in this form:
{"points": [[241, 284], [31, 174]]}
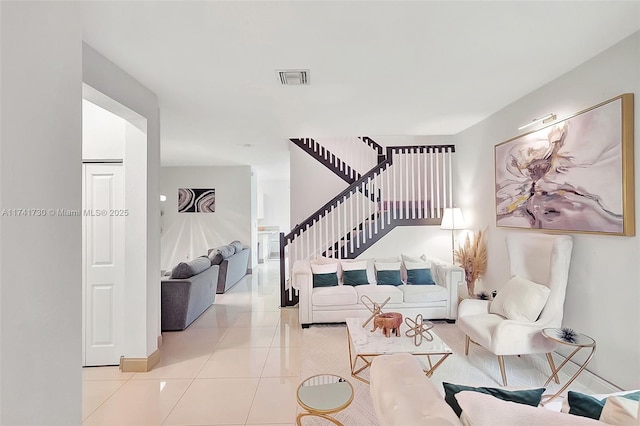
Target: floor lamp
{"points": [[452, 220]]}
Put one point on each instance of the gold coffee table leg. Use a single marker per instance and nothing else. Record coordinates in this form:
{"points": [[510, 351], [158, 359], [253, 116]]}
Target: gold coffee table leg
{"points": [[432, 367], [354, 372]]}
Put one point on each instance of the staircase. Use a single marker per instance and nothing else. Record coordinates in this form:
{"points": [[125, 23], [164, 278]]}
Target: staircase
{"points": [[327, 159], [404, 186]]}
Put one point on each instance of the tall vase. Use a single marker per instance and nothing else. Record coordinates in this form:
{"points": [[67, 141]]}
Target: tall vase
{"points": [[470, 285]]}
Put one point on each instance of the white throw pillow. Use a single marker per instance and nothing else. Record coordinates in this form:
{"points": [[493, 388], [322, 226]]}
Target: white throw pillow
{"points": [[326, 268], [520, 300], [417, 265], [388, 260], [414, 259], [356, 264], [323, 260], [620, 411], [395, 266]]}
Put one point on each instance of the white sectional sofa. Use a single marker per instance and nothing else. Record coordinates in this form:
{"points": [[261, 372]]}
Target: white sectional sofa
{"points": [[338, 302]]}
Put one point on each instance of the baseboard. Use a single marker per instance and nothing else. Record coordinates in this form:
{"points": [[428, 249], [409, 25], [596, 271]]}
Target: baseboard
{"points": [[159, 341], [586, 378], [139, 365]]}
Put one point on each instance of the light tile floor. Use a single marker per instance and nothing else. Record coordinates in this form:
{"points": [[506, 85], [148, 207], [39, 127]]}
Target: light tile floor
{"points": [[238, 364]]}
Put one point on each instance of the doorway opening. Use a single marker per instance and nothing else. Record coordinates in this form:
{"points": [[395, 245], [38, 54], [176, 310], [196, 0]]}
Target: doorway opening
{"points": [[114, 217]]}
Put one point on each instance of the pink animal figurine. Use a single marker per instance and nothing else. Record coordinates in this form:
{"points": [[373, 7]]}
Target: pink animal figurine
{"points": [[388, 322]]}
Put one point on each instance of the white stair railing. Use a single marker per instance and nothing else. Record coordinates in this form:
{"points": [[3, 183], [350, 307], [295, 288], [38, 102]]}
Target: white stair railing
{"points": [[347, 154], [413, 183]]}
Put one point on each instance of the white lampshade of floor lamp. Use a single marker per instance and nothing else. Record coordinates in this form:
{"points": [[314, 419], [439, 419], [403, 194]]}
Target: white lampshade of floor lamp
{"points": [[453, 220]]}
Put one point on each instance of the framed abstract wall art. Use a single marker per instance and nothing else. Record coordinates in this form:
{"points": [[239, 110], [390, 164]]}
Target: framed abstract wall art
{"points": [[575, 175], [196, 200]]}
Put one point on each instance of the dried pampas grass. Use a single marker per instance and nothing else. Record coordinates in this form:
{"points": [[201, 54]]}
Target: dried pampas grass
{"points": [[472, 256]]}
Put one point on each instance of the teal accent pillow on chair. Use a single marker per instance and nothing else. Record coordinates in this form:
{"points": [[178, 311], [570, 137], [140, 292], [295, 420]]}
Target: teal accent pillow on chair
{"points": [[588, 406]]}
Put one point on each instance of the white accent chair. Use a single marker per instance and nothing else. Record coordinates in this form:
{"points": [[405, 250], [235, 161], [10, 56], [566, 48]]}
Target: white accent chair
{"points": [[543, 259]]}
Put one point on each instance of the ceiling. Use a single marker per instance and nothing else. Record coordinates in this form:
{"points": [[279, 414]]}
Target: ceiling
{"points": [[376, 67]]}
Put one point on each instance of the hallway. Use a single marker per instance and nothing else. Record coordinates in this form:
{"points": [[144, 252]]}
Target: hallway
{"points": [[238, 364]]}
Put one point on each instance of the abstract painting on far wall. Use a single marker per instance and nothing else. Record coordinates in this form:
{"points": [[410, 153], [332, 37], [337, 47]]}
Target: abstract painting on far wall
{"points": [[196, 200], [575, 175]]}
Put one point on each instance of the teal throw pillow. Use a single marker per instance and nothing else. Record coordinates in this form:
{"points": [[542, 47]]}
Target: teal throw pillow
{"points": [[325, 280], [356, 277], [419, 276], [634, 396], [528, 397], [389, 277], [588, 406]]}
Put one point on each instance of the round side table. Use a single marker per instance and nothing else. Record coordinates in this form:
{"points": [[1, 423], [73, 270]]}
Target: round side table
{"points": [[324, 394], [579, 342]]}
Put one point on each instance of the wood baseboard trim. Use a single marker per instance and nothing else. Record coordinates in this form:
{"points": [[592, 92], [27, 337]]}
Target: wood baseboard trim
{"points": [[139, 365]]}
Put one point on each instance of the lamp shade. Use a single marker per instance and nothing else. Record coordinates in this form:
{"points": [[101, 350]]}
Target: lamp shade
{"points": [[452, 219]]}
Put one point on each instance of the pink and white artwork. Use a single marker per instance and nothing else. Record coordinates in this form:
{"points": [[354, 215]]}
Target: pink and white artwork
{"points": [[570, 176]]}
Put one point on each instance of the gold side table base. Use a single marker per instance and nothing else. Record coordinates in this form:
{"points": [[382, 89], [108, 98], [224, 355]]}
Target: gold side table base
{"points": [[324, 416], [586, 342], [322, 395]]}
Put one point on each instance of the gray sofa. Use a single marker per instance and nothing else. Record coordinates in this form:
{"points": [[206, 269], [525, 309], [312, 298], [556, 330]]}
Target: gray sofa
{"points": [[187, 293], [233, 260]]}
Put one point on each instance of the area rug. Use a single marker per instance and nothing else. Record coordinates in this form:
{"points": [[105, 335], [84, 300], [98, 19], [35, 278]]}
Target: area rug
{"points": [[325, 350]]}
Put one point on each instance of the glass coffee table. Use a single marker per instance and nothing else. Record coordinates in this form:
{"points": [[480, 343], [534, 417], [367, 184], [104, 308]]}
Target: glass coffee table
{"points": [[324, 394], [364, 345]]}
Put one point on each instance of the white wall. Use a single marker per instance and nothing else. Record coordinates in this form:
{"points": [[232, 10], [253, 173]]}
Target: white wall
{"points": [[312, 185], [603, 295], [253, 259], [276, 204], [102, 133], [142, 194], [40, 168], [402, 140], [412, 241], [189, 235]]}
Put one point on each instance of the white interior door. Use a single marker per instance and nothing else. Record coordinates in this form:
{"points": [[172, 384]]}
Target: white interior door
{"points": [[103, 263]]}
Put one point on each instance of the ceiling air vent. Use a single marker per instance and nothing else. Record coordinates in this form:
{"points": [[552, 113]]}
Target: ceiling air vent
{"points": [[294, 77]]}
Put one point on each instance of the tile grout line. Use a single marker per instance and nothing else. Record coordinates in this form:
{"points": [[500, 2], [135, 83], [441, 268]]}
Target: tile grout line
{"points": [[205, 363], [108, 397], [253, 400], [194, 378], [177, 401]]}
